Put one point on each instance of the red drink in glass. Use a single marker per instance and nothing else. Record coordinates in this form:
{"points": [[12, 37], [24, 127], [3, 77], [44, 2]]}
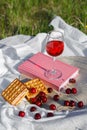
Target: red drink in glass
{"points": [[54, 47]]}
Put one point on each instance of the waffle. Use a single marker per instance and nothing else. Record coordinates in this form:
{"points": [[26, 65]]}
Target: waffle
{"points": [[15, 92], [38, 85]]}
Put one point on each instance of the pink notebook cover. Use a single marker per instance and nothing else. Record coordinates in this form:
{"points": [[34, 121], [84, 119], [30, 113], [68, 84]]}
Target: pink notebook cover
{"points": [[38, 63]]}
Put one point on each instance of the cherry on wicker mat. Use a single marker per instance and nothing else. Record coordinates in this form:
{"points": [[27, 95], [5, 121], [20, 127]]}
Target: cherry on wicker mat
{"points": [[37, 116], [56, 97], [50, 114], [52, 107], [80, 104], [50, 90], [72, 80], [72, 103], [71, 91], [68, 91], [74, 90], [32, 109], [66, 103], [21, 113]]}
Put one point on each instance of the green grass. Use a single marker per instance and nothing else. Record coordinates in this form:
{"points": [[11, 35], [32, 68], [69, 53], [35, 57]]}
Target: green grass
{"points": [[30, 17]]}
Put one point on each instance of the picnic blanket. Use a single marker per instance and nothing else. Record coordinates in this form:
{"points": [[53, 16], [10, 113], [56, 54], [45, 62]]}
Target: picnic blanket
{"points": [[15, 49]]}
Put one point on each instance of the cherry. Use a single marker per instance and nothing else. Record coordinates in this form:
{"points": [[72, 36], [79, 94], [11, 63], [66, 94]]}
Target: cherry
{"points": [[42, 93], [50, 90], [39, 98], [38, 103], [72, 103], [37, 116], [56, 97], [44, 99], [68, 91], [33, 100], [32, 90], [66, 103], [50, 114], [74, 90], [80, 104], [72, 80], [33, 109], [52, 107], [21, 113]]}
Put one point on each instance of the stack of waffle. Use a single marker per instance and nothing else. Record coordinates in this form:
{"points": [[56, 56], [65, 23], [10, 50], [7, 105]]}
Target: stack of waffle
{"points": [[16, 90]]}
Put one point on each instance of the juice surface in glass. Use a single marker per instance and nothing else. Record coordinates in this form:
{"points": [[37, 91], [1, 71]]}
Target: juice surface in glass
{"points": [[55, 47]]}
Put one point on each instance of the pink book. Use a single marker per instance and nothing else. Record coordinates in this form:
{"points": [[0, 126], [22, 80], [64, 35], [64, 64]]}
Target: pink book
{"points": [[39, 63]]}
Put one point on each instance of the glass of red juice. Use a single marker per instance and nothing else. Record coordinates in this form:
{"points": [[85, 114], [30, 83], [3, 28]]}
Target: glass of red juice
{"points": [[54, 47]]}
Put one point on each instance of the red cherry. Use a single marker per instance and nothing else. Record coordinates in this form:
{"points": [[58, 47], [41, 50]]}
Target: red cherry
{"points": [[72, 80], [37, 116], [74, 90], [44, 99], [52, 107], [33, 109], [50, 90], [38, 103], [80, 104], [39, 99], [32, 90], [33, 100], [42, 93], [56, 97], [50, 114], [72, 103], [21, 113], [66, 103], [68, 90]]}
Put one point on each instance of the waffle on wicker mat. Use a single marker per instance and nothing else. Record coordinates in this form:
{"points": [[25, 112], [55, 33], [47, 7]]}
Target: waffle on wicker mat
{"points": [[35, 86], [16, 90]]}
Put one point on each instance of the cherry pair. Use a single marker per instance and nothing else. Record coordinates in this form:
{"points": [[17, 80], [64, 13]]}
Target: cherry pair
{"points": [[71, 91], [38, 115]]}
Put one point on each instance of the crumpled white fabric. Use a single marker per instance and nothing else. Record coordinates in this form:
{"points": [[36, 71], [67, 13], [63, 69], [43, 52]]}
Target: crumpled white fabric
{"points": [[14, 50]]}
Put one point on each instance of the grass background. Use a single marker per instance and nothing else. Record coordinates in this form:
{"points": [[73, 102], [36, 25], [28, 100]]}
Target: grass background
{"points": [[30, 17]]}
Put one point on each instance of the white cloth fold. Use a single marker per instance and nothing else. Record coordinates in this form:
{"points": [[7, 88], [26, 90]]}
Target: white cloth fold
{"points": [[14, 50], [3, 68]]}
